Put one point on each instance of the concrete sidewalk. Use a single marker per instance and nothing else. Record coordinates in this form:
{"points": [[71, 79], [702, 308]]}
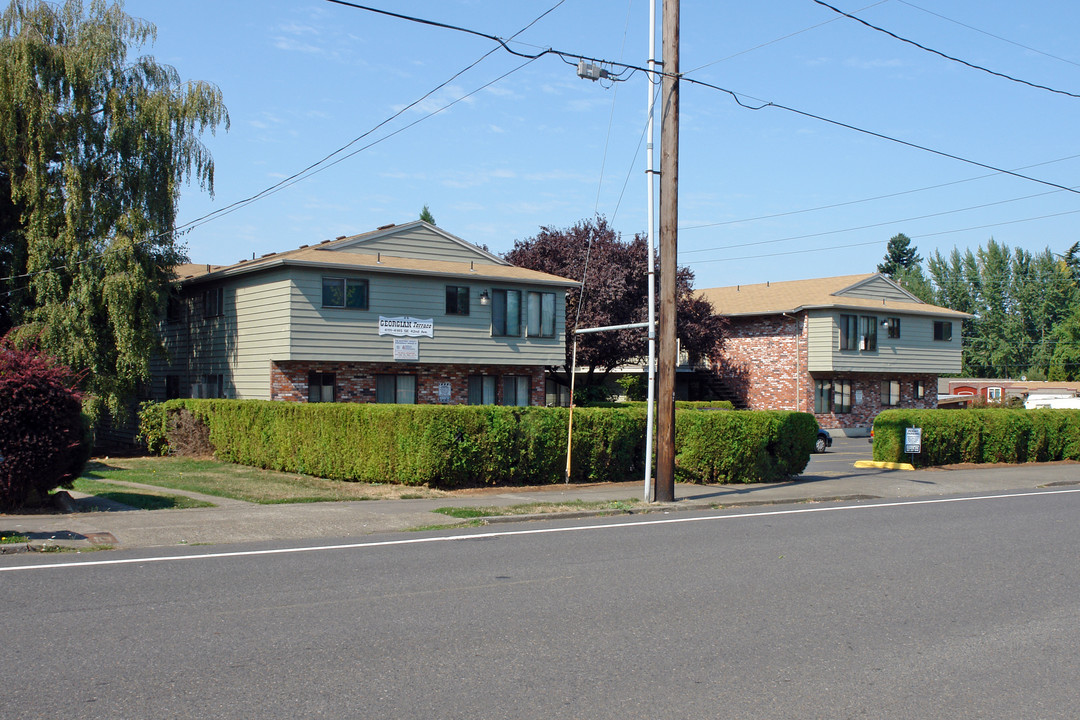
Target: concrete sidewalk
{"points": [[232, 521]]}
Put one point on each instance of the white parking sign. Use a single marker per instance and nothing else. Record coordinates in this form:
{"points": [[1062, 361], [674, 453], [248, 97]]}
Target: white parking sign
{"points": [[913, 440]]}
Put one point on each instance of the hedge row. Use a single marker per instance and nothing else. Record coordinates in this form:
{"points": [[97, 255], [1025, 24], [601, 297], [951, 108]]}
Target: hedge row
{"points": [[988, 435], [454, 446]]}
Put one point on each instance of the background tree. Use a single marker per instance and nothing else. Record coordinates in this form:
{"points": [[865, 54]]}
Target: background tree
{"points": [[899, 255], [426, 216], [94, 145], [1064, 361], [1017, 299], [616, 293]]}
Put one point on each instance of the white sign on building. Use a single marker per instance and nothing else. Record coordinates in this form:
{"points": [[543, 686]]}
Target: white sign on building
{"points": [[406, 349], [404, 326]]}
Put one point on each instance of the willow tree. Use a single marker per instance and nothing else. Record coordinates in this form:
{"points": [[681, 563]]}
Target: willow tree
{"points": [[95, 143]]}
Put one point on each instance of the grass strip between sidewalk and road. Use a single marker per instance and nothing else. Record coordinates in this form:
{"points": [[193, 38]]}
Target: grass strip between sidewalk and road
{"points": [[239, 482], [536, 508]]}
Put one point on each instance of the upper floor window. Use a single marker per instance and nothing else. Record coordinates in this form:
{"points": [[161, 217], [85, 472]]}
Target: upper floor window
{"points": [[867, 332], [457, 300], [892, 326], [849, 334], [506, 312], [942, 330], [174, 309], [214, 302], [540, 315], [339, 292]]}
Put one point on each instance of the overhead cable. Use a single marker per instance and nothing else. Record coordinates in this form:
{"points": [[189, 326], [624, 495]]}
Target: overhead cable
{"points": [[973, 66]]}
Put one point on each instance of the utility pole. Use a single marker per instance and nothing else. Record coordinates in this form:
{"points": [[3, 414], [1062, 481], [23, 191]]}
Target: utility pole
{"points": [[650, 412], [669, 218]]}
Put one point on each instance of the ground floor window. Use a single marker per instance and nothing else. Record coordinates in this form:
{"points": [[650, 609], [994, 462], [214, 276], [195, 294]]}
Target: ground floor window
{"points": [[890, 392], [515, 390], [918, 389], [320, 387], [841, 396], [172, 387], [822, 396], [481, 390], [556, 394], [399, 389], [832, 396]]}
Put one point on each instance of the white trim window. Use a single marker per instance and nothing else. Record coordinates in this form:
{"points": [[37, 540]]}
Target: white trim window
{"points": [[540, 315], [349, 293], [506, 313]]}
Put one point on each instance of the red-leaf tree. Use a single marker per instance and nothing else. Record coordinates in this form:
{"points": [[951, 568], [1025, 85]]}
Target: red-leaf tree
{"points": [[44, 439], [616, 293]]}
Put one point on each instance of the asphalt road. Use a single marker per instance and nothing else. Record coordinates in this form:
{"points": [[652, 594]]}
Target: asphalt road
{"points": [[936, 608]]}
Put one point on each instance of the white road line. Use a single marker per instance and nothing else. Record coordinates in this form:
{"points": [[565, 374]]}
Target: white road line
{"points": [[536, 531]]}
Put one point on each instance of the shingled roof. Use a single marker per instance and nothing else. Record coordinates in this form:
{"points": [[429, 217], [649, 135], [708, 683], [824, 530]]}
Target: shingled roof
{"points": [[330, 254], [820, 293]]}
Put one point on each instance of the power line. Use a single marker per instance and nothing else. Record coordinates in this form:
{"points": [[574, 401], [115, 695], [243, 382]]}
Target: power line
{"points": [[879, 224], [779, 39], [941, 54], [767, 104], [869, 199], [873, 242], [308, 171], [988, 34], [562, 54]]}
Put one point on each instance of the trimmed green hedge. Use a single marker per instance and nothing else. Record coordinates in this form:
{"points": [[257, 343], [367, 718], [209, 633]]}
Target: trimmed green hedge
{"points": [[454, 446], [743, 446], [989, 435]]}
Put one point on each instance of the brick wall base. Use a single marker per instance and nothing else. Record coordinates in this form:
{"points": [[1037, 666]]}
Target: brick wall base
{"points": [[355, 382]]}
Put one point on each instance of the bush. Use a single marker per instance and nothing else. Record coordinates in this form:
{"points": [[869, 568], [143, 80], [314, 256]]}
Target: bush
{"points": [[987, 435], [455, 446], [743, 446], [44, 437]]}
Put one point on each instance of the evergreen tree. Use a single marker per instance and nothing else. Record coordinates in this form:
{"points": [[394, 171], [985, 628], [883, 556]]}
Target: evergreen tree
{"points": [[426, 216], [1065, 359], [94, 144], [899, 255]]}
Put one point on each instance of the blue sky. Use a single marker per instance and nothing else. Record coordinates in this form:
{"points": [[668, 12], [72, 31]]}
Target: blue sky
{"points": [[765, 195]]}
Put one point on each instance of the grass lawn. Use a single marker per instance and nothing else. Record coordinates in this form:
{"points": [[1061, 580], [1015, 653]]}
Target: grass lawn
{"points": [[136, 497], [211, 477]]}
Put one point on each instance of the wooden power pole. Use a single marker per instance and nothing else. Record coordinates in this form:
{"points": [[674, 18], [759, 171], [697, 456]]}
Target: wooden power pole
{"points": [[669, 218]]}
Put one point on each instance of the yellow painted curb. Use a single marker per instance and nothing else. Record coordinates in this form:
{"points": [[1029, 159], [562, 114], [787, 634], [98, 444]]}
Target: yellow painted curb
{"points": [[883, 465]]}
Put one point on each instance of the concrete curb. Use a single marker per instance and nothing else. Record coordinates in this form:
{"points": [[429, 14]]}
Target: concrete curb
{"points": [[883, 465]]}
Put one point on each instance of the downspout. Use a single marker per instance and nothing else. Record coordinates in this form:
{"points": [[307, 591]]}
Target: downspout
{"points": [[798, 368]]}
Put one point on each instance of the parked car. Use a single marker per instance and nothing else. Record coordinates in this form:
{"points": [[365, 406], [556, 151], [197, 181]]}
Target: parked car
{"points": [[824, 440]]}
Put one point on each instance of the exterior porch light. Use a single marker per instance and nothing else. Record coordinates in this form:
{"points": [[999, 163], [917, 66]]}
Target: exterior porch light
{"points": [[484, 298]]}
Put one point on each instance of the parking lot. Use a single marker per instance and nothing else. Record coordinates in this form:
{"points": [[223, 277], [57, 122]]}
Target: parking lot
{"points": [[840, 458]]}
